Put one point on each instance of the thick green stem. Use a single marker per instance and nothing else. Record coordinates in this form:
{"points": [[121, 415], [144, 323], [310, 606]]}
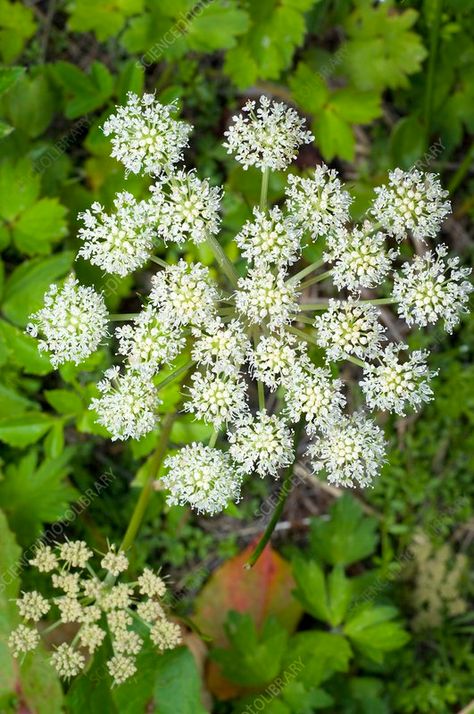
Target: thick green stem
{"points": [[261, 396], [282, 496], [303, 336], [314, 306], [306, 271], [264, 189], [355, 360], [462, 170], [174, 375], [147, 490], [223, 260], [316, 279], [213, 439], [126, 316], [380, 301], [159, 261]]}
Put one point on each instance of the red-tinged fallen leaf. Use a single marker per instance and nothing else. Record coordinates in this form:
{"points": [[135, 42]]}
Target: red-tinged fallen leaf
{"points": [[262, 591]]}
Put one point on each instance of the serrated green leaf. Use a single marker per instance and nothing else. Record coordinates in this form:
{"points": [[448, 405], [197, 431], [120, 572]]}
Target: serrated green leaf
{"points": [[308, 89], [84, 92], [9, 76], [24, 430], [347, 537], [25, 288], [319, 654], [334, 136], [17, 25], [33, 494], [382, 50], [19, 188], [356, 107], [22, 350], [30, 105], [39, 226], [131, 79], [104, 19], [339, 594], [64, 401], [12, 403], [216, 26], [311, 590], [374, 633]]}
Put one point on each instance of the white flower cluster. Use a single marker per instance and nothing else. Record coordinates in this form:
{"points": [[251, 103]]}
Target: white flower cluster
{"points": [[72, 323], [267, 136], [257, 322], [94, 602]]}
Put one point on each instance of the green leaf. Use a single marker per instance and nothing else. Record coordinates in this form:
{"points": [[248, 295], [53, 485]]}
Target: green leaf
{"points": [[104, 19], [23, 430], [334, 136], [252, 659], [64, 401], [10, 554], [309, 89], [19, 188], [216, 26], [33, 494], [39, 226], [356, 107], [382, 50], [241, 66], [22, 350], [319, 654], [407, 142], [25, 288], [91, 692], [9, 76], [17, 25], [131, 79], [339, 595], [30, 105], [13, 403], [171, 697], [84, 92], [348, 536], [372, 631], [311, 590]]}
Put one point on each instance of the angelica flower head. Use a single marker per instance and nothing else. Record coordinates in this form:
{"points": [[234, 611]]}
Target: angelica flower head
{"points": [[128, 403], [216, 398], [44, 558], [349, 328], [266, 136], [273, 359], [312, 393], [270, 239], [184, 294], [145, 135], [221, 347], [351, 450], [120, 242], [72, 323], [151, 342], [412, 202], [265, 299], [89, 600], [359, 257], [262, 443], [392, 385], [319, 204], [201, 477], [185, 208], [430, 289]]}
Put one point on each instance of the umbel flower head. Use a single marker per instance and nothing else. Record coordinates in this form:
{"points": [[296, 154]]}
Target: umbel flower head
{"points": [[201, 477], [430, 289], [412, 202], [268, 136], [319, 204], [145, 135], [90, 597], [72, 323], [120, 242], [265, 322], [185, 208]]}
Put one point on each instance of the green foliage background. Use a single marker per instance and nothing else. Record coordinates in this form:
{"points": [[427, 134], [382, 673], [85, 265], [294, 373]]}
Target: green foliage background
{"points": [[383, 85]]}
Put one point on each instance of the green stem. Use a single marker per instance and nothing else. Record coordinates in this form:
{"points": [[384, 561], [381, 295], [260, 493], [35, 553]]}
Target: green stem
{"points": [[380, 301], [314, 306], [462, 170], [147, 490], [302, 335], [126, 316], [306, 271], [264, 189], [222, 260], [434, 42], [177, 373], [159, 261], [355, 360], [213, 439], [305, 320], [282, 496], [316, 279], [261, 396]]}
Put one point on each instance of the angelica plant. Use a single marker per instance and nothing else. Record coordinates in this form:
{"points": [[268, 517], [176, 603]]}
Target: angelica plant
{"points": [[265, 345]]}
